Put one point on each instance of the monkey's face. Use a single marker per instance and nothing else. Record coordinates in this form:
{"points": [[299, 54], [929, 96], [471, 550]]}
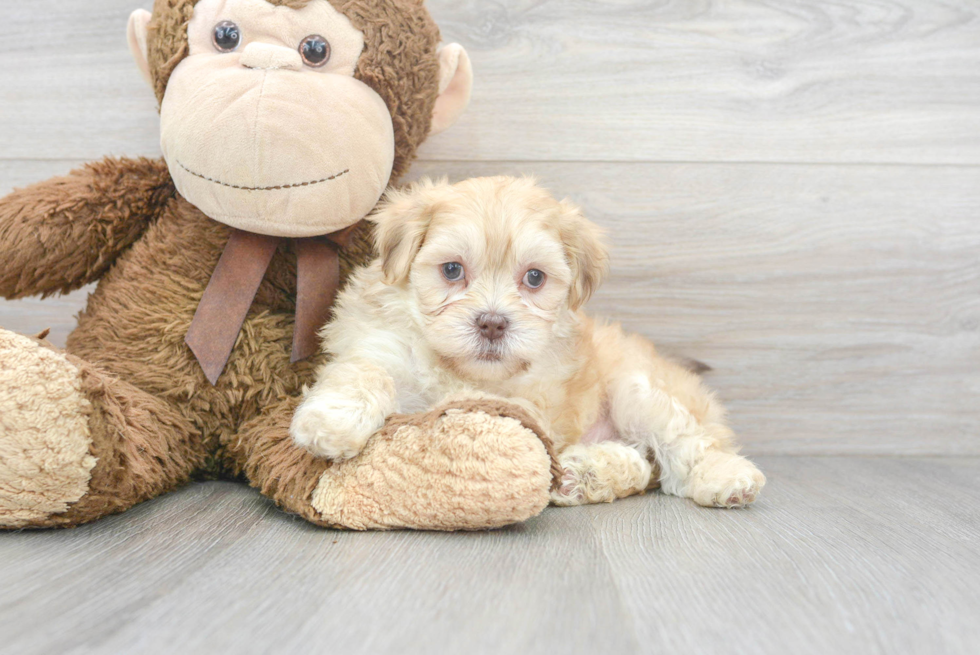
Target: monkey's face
{"points": [[263, 125]]}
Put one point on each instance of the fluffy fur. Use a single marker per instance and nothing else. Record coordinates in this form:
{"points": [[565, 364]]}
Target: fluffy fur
{"points": [[406, 335]]}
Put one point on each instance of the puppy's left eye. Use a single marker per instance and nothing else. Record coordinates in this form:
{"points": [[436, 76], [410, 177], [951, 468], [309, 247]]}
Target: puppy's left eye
{"points": [[453, 271], [534, 278]]}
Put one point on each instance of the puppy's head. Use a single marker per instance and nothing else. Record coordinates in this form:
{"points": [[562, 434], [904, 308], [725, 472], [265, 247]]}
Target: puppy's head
{"points": [[496, 267]]}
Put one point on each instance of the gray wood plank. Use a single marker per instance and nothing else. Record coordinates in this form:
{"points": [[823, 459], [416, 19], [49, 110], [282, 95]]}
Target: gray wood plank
{"points": [[597, 80], [839, 305], [710, 80], [842, 555], [68, 86], [215, 568]]}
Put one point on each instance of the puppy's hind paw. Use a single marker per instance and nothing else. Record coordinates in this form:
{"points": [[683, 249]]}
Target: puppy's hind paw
{"points": [[725, 480], [600, 473]]}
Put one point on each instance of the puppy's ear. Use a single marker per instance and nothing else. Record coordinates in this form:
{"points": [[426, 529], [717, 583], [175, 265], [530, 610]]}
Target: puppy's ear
{"points": [[586, 252], [402, 222]]}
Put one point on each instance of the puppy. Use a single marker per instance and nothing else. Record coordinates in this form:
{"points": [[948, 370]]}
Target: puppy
{"points": [[478, 290]]}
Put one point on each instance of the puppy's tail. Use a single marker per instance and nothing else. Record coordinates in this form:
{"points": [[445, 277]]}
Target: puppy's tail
{"points": [[693, 365]]}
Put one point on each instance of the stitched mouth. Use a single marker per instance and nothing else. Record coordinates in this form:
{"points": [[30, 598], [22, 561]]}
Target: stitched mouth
{"points": [[280, 187]]}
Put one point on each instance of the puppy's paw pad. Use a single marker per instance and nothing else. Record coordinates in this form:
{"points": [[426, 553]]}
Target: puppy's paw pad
{"points": [[742, 497], [726, 481], [571, 492]]}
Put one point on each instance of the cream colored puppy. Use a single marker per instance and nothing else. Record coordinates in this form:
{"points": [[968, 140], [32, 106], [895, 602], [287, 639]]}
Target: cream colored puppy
{"points": [[477, 291]]}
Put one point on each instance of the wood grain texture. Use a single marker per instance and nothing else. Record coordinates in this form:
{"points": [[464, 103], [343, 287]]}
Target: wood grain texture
{"points": [[839, 305], [598, 80], [68, 86], [842, 555], [712, 80]]}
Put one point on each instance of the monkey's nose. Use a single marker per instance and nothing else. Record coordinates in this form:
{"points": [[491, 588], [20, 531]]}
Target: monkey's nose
{"points": [[265, 56], [492, 326]]}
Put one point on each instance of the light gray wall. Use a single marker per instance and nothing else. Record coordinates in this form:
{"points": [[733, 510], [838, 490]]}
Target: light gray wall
{"points": [[792, 188]]}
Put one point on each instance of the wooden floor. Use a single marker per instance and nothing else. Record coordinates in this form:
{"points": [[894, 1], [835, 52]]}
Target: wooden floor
{"points": [[792, 189], [844, 555]]}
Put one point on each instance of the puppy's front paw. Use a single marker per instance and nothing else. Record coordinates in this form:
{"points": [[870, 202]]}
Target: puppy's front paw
{"points": [[725, 480], [333, 427]]}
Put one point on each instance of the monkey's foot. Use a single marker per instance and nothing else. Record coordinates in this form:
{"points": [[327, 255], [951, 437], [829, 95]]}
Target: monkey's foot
{"points": [[45, 458], [470, 465], [77, 443]]}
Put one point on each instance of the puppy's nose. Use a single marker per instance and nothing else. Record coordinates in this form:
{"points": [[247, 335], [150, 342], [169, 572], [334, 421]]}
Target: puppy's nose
{"points": [[492, 326]]}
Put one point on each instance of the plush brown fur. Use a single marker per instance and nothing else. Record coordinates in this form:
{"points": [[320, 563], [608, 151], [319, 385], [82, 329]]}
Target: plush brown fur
{"points": [[71, 229], [267, 457], [143, 446], [139, 303]]}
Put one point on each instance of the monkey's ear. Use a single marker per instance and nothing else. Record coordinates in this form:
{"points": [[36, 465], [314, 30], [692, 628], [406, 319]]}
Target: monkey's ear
{"points": [[136, 36], [402, 222], [455, 87], [586, 251]]}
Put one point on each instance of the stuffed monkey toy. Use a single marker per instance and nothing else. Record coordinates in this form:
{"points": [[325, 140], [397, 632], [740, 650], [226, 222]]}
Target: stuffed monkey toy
{"points": [[282, 123]]}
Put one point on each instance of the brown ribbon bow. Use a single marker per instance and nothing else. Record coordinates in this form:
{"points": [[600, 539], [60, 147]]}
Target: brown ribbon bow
{"points": [[235, 281]]}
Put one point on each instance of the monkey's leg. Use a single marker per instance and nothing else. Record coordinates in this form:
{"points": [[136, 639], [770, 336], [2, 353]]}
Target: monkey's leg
{"points": [[61, 234], [77, 444], [467, 466]]}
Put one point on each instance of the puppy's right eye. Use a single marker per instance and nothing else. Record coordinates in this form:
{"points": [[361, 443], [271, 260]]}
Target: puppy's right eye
{"points": [[453, 271]]}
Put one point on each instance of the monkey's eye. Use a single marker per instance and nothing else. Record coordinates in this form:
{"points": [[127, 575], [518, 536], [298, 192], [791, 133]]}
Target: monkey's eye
{"points": [[226, 36], [315, 51], [453, 271], [533, 279]]}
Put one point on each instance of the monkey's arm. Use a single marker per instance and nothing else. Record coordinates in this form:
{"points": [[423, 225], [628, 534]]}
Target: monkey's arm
{"points": [[59, 235]]}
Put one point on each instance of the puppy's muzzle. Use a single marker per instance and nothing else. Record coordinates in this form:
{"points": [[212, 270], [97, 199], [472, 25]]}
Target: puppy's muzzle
{"points": [[493, 327]]}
